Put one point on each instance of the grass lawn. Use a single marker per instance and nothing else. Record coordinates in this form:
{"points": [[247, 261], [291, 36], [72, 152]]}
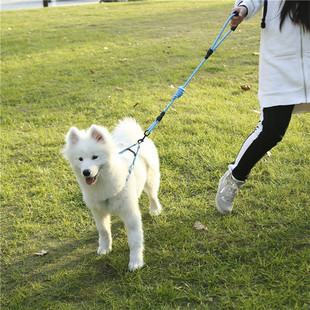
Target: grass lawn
{"points": [[79, 65]]}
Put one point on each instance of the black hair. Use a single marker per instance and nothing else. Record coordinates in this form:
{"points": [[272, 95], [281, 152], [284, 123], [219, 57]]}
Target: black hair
{"points": [[298, 12]]}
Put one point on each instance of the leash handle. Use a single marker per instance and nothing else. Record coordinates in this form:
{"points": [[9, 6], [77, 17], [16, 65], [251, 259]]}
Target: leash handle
{"points": [[216, 43], [235, 14]]}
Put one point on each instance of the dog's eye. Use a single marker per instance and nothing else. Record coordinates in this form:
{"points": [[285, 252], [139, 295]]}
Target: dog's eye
{"points": [[81, 159], [94, 157]]}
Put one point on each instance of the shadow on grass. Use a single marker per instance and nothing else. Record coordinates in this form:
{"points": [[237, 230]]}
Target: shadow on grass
{"points": [[73, 273], [69, 272]]}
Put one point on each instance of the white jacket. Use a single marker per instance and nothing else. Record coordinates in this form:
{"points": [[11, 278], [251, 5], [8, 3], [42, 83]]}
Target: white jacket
{"points": [[284, 64]]}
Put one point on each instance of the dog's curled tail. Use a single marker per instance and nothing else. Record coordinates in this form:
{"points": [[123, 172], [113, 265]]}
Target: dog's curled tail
{"points": [[128, 130]]}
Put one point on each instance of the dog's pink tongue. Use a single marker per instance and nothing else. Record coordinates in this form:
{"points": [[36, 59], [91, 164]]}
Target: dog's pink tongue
{"points": [[90, 181]]}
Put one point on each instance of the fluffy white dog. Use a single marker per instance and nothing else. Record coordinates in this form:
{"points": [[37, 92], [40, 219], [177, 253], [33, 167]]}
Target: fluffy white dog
{"points": [[101, 172]]}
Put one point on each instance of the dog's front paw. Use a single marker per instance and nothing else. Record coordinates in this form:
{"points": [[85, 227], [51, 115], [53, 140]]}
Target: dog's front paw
{"points": [[102, 250], [135, 265]]}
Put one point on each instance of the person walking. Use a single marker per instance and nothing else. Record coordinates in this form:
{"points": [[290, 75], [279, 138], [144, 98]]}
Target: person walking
{"points": [[284, 84]]}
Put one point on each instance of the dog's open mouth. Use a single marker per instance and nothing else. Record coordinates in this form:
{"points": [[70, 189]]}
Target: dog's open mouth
{"points": [[91, 180]]}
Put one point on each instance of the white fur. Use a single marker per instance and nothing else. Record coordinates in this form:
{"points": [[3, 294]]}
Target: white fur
{"points": [[101, 172]]}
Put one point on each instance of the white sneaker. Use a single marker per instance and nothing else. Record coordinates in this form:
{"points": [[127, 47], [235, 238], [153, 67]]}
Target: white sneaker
{"points": [[226, 193]]}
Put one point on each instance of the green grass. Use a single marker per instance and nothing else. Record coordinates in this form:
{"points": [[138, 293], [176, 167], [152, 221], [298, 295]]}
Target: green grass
{"points": [[60, 68]]}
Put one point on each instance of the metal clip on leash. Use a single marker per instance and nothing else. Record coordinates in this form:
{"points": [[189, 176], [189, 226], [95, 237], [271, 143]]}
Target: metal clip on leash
{"points": [[180, 91]]}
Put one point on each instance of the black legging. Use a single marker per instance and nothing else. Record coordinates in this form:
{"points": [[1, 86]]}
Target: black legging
{"points": [[270, 130]]}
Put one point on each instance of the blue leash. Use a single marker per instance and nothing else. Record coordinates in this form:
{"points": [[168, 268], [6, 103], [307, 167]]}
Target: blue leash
{"points": [[179, 92]]}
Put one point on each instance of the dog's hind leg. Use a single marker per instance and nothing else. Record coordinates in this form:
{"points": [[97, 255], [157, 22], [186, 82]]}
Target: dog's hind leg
{"points": [[151, 188], [103, 223]]}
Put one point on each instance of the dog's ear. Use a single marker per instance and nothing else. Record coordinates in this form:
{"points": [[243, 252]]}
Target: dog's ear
{"points": [[73, 136], [97, 134]]}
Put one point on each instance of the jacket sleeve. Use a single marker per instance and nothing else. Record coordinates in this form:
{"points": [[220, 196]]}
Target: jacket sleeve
{"points": [[253, 6]]}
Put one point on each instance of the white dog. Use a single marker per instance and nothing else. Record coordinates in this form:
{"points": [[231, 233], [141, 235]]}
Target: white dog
{"points": [[102, 172]]}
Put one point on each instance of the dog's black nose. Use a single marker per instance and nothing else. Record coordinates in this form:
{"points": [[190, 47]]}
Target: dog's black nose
{"points": [[86, 173]]}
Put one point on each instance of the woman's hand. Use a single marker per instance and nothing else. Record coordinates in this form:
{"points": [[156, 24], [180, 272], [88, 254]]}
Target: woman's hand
{"points": [[242, 13]]}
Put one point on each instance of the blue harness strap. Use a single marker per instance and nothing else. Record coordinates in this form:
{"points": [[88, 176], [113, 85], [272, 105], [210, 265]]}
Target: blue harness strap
{"points": [[180, 91]]}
